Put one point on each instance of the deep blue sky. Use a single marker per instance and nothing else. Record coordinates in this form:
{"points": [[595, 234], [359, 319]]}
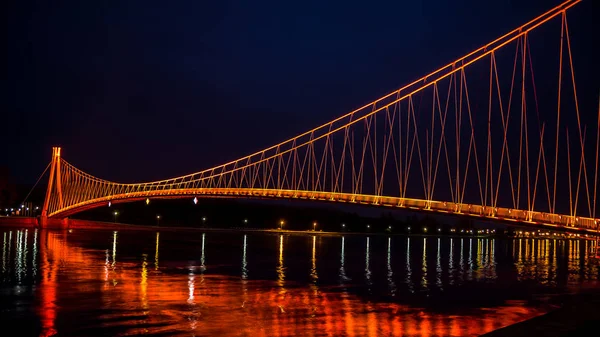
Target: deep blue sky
{"points": [[141, 90]]}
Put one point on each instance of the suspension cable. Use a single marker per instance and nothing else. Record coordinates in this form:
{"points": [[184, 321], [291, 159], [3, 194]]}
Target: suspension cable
{"points": [[40, 178]]}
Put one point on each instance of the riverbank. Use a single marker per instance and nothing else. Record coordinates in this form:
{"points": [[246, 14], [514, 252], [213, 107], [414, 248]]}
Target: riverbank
{"points": [[68, 224], [24, 222], [578, 315]]}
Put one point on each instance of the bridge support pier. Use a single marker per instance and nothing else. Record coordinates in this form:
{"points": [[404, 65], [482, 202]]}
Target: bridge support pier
{"points": [[43, 222]]}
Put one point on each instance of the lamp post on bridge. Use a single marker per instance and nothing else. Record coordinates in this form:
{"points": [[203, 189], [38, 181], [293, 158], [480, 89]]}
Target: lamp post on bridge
{"points": [[158, 220], [115, 214]]}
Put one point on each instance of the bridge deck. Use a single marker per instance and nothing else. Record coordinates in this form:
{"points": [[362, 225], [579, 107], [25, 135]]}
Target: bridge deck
{"points": [[479, 211]]}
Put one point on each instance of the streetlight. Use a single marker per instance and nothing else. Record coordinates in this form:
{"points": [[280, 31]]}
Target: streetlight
{"points": [[116, 213], [203, 220], [408, 229], [425, 229], [314, 226], [245, 221], [281, 223], [343, 226], [157, 220], [368, 226]]}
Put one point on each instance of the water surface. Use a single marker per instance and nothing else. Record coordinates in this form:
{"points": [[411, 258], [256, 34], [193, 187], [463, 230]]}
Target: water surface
{"points": [[98, 283]]}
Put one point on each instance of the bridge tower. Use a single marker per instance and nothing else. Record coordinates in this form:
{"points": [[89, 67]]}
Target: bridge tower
{"points": [[54, 182]]}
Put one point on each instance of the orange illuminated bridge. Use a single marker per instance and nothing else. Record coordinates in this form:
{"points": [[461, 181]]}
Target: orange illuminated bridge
{"points": [[471, 138]]}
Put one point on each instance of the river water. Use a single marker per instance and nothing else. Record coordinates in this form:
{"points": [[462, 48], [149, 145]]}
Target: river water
{"points": [[194, 283]]}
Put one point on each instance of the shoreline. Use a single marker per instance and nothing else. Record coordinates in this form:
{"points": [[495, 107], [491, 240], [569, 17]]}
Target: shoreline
{"points": [[69, 224], [22, 222], [578, 314], [97, 225]]}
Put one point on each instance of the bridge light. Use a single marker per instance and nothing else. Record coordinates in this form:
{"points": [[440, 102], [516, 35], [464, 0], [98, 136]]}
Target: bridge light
{"points": [[22, 206], [36, 208], [439, 229], [343, 225], [408, 228], [147, 201], [425, 229], [109, 204], [158, 216], [314, 226], [245, 220], [203, 218], [195, 201]]}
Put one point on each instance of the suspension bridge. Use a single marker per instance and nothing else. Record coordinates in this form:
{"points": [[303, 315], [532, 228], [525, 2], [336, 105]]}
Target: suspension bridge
{"points": [[481, 137]]}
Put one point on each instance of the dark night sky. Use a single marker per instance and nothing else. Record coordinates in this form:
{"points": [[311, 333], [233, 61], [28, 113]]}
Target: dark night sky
{"points": [[142, 90]]}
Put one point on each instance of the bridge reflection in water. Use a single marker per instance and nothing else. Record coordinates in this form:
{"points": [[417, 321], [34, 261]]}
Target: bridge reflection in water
{"points": [[132, 283]]}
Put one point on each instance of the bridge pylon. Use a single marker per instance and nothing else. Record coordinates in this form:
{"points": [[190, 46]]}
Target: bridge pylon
{"points": [[54, 184]]}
